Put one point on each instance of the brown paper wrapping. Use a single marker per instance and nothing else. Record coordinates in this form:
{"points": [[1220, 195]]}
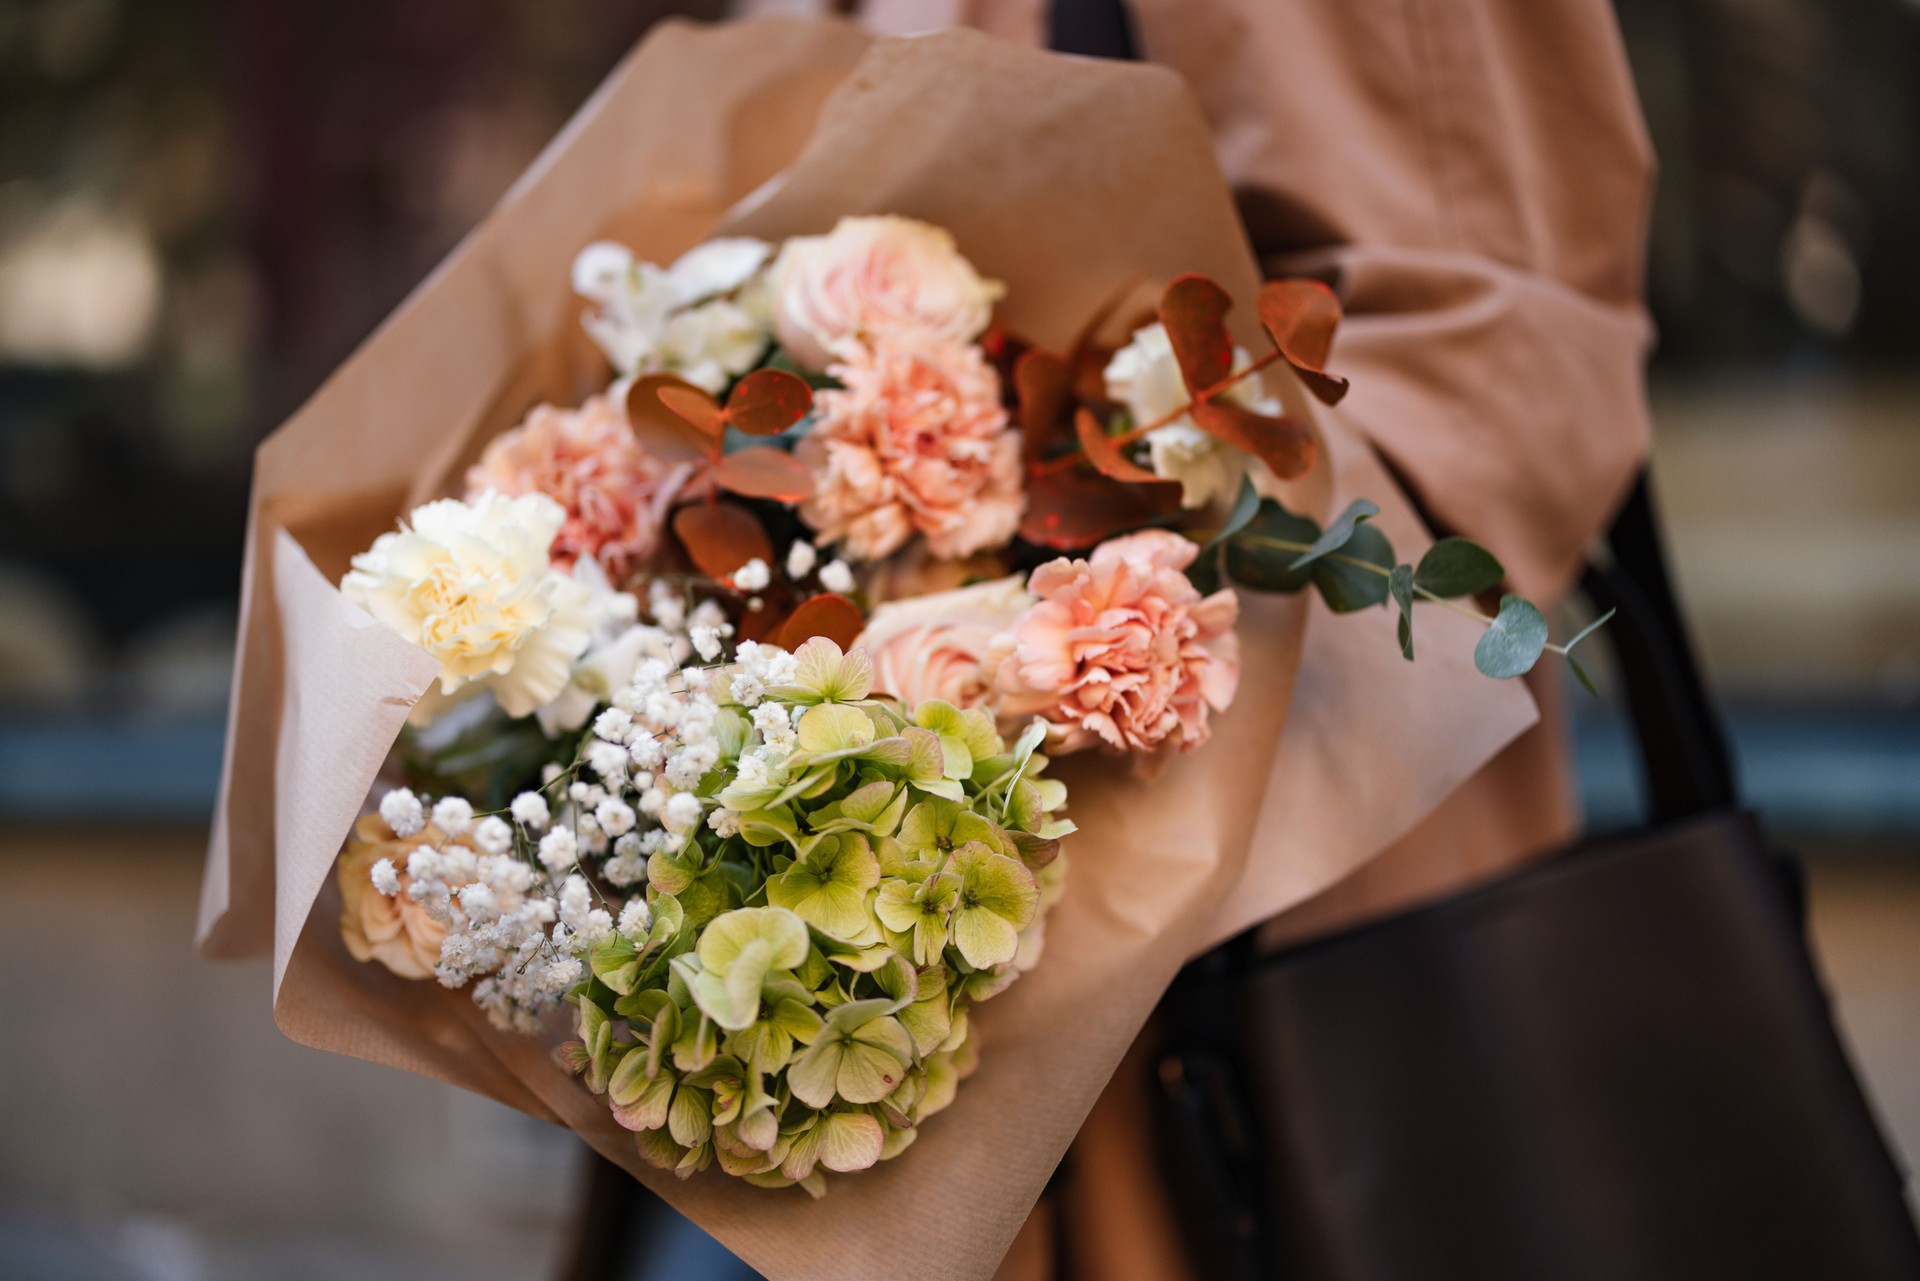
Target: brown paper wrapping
{"points": [[1061, 177]]}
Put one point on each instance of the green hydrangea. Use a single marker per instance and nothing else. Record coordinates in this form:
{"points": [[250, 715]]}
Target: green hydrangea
{"points": [[798, 1001]]}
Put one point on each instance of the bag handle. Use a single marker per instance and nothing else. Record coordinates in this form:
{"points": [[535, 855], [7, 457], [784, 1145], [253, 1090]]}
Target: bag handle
{"points": [[1684, 756]]}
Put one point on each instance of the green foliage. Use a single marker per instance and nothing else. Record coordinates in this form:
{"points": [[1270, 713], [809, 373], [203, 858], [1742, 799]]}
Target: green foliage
{"points": [[797, 1003], [1513, 642], [1455, 567]]}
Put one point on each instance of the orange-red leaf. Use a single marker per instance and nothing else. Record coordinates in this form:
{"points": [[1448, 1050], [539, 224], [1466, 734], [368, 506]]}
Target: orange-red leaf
{"points": [[1074, 509], [768, 401], [721, 537], [692, 404], [1043, 390], [828, 614], [1300, 316], [764, 472], [660, 428], [1106, 456], [1194, 311], [1284, 444]]}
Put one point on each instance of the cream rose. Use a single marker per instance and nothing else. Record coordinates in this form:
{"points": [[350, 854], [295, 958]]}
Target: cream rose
{"points": [[1144, 376], [875, 277], [936, 646], [395, 931], [471, 583]]}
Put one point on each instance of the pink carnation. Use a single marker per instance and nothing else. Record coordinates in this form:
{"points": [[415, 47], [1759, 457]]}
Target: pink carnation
{"points": [[1122, 649], [917, 442], [615, 493]]}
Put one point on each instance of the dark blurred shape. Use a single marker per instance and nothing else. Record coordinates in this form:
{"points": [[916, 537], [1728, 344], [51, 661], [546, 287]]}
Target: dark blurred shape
{"points": [[204, 205]]}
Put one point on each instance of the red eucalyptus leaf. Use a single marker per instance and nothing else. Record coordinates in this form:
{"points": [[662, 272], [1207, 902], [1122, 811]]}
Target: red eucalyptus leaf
{"points": [[1043, 390], [1194, 310], [1106, 456], [763, 624], [764, 472], [768, 401], [1090, 331], [701, 411], [828, 614], [1071, 510], [1283, 444], [721, 537], [661, 429], [1300, 315]]}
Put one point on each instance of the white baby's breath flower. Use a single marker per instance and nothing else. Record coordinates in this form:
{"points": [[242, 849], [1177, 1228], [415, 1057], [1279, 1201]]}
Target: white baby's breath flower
{"points": [[752, 576], [402, 810], [835, 576], [706, 642], [385, 879], [529, 809], [801, 558], [453, 815], [558, 850], [493, 835], [636, 918], [614, 724], [682, 813], [615, 816], [608, 760]]}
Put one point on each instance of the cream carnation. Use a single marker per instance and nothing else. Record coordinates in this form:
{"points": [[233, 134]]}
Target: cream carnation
{"points": [[1144, 376], [937, 646], [1121, 649], [471, 584], [615, 493], [917, 442], [871, 278]]}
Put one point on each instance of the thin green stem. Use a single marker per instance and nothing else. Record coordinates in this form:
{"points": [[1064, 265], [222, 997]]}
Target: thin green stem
{"points": [[1288, 545]]}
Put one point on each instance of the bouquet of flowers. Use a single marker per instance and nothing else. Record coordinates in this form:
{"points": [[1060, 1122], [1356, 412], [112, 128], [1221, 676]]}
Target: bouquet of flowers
{"points": [[722, 684]]}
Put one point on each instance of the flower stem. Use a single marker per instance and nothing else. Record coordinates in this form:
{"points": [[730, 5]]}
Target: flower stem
{"points": [[1134, 434], [1287, 545]]}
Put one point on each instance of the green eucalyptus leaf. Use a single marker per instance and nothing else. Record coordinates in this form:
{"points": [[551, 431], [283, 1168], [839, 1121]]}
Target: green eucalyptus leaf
{"points": [[1513, 641], [1339, 533], [1400, 586], [1346, 586], [1455, 567], [1246, 505], [1261, 555]]}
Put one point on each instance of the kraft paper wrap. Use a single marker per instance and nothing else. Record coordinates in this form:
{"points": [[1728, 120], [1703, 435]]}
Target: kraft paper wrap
{"points": [[1061, 177]]}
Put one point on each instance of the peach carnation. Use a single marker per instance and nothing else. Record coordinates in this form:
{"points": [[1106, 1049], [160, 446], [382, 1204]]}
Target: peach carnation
{"points": [[615, 493], [936, 646], [1121, 648], [916, 442], [395, 931]]}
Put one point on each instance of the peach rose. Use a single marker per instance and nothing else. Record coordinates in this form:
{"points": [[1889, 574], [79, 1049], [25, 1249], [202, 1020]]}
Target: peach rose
{"points": [[1121, 649], [395, 931], [916, 442], [872, 278], [936, 646], [615, 493]]}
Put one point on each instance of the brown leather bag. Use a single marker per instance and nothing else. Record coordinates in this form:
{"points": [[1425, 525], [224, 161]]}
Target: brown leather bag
{"points": [[1615, 1064]]}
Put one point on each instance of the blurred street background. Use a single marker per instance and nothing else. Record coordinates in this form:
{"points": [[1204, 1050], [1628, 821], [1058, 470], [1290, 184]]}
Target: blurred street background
{"points": [[205, 204]]}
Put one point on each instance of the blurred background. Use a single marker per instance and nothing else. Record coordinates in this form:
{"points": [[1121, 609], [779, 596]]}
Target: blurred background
{"points": [[205, 204]]}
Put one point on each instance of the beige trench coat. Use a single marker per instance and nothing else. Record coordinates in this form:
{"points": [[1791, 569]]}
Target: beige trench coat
{"points": [[1477, 175]]}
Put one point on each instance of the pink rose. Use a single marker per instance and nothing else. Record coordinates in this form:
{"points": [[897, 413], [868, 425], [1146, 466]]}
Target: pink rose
{"points": [[936, 646], [1121, 649], [917, 442], [872, 278], [615, 493]]}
